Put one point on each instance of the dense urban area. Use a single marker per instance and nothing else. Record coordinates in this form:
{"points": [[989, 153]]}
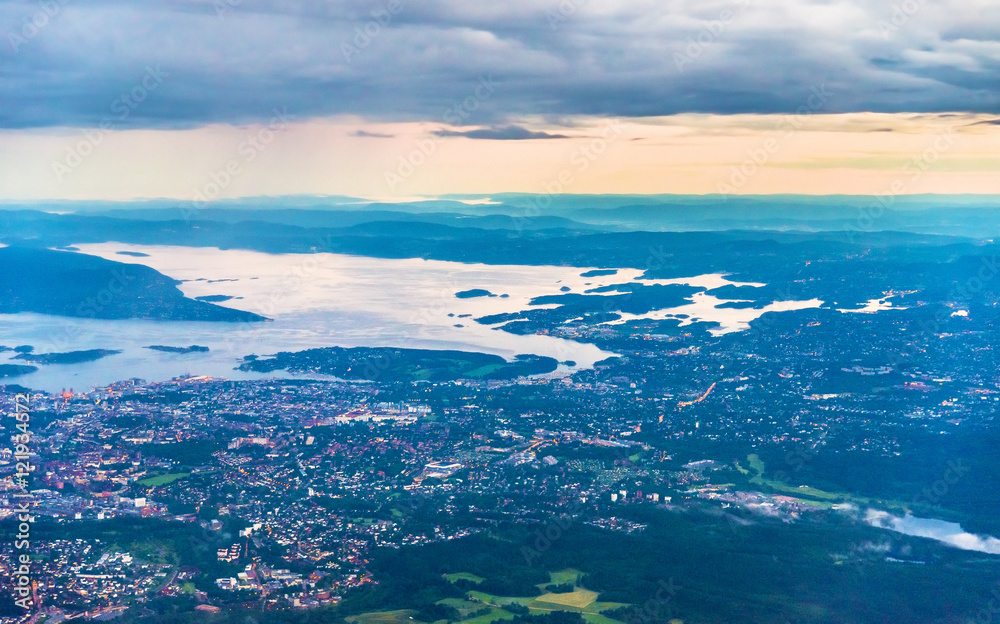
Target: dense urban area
{"points": [[277, 494]]}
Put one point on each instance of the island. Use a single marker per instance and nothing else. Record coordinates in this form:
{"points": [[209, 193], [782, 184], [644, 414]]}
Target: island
{"points": [[741, 305], [70, 357], [15, 370], [475, 292], [389, 364], [191, 349], [134, 254], [593, 307], [213, 298]]}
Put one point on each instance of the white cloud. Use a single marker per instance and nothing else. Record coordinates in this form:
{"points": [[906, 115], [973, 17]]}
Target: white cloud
{"points": [[947, 532]]}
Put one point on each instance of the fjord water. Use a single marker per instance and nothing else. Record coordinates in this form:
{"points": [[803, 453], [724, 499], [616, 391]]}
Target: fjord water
{"points": [[323, 300]]}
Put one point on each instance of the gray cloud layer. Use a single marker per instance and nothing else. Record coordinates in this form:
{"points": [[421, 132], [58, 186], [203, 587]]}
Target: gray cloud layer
{"points": [[68, 63], [503, 133]]}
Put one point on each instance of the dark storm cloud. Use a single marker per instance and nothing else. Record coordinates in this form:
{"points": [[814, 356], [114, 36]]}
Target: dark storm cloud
{"points": [[503, 133], [235, 61]]}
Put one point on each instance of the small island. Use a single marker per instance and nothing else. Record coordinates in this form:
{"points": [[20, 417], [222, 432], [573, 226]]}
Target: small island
{"points": [[475, 292], [599, 272], [213, 298], [191, 349], [134, 254], [741, 305], [70, 357]]}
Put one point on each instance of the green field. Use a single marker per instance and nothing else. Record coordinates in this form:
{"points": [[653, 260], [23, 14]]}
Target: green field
{"points": [[597, 618], [757, 467], [455, 576], [467, 607], [579, 598], [498, 601], [484, 370], [464, 607], [803, 490], [494, 615], [584, 603], [756, 464], [569, 575], [165, 479], [363, 521], [383, 617]]}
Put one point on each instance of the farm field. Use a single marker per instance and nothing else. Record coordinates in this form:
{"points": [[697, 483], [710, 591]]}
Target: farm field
{"points": [[165, 479]]}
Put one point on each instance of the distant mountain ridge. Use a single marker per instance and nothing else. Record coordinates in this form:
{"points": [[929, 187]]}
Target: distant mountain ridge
{"points": [[845, 268], [960, 215]]}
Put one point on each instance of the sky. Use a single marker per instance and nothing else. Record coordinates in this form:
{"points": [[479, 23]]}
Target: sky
{"points": [[197, 99]]}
